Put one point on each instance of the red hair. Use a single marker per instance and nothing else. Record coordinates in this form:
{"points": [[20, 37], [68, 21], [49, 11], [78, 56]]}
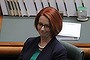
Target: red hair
{"points": [[54, 17]]}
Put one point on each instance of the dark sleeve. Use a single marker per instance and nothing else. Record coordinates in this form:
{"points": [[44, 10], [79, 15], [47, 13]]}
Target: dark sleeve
{"points": [[60, 53], [28, 42]]}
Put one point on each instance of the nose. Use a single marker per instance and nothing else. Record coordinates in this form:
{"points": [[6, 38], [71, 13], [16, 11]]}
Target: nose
{"points": [[42, 28]]}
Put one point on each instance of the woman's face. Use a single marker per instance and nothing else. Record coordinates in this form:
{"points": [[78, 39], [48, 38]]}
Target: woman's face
{"points": [[43, 27]]}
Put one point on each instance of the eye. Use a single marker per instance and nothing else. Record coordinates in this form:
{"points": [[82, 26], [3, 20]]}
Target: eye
{"points": [[40, 24], [47, 26]]}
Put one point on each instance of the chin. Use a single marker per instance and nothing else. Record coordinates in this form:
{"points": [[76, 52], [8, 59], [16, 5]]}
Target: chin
{"points": [[42, 35]]}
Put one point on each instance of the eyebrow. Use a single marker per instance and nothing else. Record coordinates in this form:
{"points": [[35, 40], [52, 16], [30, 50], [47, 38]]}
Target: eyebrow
{"points": [[43, 24]]}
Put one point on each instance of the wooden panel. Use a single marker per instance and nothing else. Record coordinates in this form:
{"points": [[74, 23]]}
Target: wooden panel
{"points": [[16, 47], [0, 22], [82, 44], [11, 43], [86, 52], [85, 47], [8, 50]]}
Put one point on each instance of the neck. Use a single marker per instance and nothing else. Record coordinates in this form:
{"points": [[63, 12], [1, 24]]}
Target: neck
{"points": [[43, 42]]}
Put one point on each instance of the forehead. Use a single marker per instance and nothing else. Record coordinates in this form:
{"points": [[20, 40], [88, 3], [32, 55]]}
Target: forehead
{"points": [[43, 20]]}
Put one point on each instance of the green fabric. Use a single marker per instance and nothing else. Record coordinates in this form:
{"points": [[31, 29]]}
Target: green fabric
{"points": [[34, 56]]}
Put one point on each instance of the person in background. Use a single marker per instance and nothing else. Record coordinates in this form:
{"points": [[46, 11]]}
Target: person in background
{"points": [[48, 23]]}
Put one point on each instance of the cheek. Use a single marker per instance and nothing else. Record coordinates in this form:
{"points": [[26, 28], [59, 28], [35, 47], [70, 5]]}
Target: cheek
{"points": [[38, 28]]}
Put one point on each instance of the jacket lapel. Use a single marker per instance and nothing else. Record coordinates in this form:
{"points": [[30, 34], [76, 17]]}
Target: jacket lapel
{"points": [[46, 53], [32, 48]]}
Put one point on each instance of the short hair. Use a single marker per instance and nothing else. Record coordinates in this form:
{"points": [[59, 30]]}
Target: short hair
{"points": [[54, 18]]}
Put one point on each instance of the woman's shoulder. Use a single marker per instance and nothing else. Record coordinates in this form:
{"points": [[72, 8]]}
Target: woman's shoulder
{"points": [[30, 40], [59, 46], [59, 51]]}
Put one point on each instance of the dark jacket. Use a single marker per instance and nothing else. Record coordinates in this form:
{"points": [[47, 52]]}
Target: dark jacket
{"points": [[53, 50]]}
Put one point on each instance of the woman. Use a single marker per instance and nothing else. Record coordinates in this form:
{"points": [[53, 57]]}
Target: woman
{"points": [[48, 23]]}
